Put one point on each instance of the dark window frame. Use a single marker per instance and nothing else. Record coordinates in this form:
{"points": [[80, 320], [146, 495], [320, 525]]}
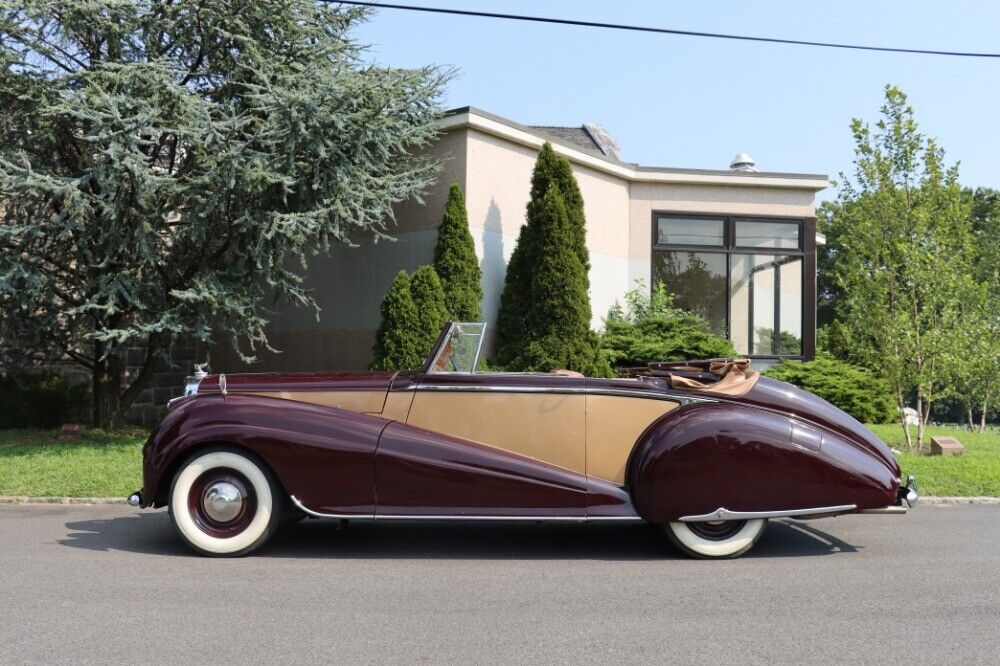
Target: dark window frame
{"points": [[806, 251]]}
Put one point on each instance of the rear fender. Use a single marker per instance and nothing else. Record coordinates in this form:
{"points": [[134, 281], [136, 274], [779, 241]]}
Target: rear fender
{"points": [[704, 457]]}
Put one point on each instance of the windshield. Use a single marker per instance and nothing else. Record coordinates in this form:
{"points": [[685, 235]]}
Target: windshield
{"points": [[460, 349]]}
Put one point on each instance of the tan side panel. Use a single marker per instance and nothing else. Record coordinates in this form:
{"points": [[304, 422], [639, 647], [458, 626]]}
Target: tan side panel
{"points": [[397, 405], [355, 401], [544, 426], [613, 424]]}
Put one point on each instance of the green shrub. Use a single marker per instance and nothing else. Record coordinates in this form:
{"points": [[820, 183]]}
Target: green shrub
{"points": [[557, 313], [456, 263], [514, 328], [432, 313], [650, 328], [396, 345], [544, 317], [854, 390], [41, 400]]}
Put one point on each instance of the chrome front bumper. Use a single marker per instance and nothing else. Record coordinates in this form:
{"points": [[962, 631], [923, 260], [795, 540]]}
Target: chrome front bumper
{"points": [[906, 498]]}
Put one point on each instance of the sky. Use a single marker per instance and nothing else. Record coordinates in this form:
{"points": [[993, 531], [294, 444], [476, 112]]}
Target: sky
{"points": [[691, 102]]}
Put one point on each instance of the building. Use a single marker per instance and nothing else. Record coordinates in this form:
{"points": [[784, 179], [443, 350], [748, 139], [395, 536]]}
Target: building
{"points": [[736, 245]]}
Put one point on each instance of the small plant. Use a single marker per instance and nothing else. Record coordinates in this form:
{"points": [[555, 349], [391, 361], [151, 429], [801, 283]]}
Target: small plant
{"points": [[651, 328]]}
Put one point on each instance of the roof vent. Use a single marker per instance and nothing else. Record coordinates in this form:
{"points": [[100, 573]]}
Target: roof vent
{"points": [[743, 162]]}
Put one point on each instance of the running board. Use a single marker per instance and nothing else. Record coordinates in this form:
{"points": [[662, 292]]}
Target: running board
{"points": [[466, 517], [726, 514]]}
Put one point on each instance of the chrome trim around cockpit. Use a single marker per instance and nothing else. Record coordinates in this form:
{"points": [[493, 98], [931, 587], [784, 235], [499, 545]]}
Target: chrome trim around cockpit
{"points": [[492, 388], [726, 514], [466, 517]]}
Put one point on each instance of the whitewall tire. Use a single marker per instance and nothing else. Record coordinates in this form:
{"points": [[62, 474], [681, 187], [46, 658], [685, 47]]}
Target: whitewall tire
{"points": [[716, 539], [225, 503]]}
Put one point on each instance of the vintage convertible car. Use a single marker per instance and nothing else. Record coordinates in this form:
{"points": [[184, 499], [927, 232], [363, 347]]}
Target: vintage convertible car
{"points": [[708, 450]]}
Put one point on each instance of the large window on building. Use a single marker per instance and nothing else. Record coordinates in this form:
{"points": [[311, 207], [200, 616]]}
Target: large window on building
{"points": [[743, 275]]}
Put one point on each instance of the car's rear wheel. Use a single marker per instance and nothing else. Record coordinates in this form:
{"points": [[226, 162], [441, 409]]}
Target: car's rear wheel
{"points": [[716, 538], [225, 503]]}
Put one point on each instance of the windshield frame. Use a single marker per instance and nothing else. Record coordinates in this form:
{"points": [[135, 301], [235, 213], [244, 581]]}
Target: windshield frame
{"points": [[443, 345]]}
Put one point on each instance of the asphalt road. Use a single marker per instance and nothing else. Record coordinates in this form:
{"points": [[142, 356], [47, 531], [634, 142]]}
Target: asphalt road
{"points": [[111, 584]]}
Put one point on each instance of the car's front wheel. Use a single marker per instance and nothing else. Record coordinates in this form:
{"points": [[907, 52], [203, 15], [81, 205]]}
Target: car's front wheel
{"points": [[225, 503], [716, 538]]}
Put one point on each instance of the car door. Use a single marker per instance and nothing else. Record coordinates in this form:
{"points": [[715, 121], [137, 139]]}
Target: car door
{"points": [[487, 444]]}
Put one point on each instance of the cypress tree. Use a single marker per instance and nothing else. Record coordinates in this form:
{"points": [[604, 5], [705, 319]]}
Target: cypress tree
{"points": [[396, 345], [456, 263], [523, 302], [432, 313], [557, 316]]}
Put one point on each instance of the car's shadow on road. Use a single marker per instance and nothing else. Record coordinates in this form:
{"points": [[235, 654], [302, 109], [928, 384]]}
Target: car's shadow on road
{"points": [[152, 533]]}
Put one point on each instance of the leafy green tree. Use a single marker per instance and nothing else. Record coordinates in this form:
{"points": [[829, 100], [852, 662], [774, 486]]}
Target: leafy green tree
{"points": [[165, 165], [977, 366], [902, 262], [858, 392], [557, 317], [456, 263], [650, 328], [432, 313], [397, 343], [550, 171]]}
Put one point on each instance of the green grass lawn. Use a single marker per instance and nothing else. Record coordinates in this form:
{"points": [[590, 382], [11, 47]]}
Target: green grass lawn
{"points": [[975, 472], [105, 464], [100, 464]]}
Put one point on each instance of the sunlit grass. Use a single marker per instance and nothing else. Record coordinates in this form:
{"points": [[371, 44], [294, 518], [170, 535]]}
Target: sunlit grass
{"points": [[100, 464], [975, 472]]}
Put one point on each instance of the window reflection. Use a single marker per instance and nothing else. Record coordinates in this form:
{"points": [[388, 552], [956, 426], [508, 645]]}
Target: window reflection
{"points": [[765, 296], [690, 231], [698, 282]]}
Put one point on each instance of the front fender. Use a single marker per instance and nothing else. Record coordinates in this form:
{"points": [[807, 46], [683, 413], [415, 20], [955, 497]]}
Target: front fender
{"points": [[724, 455], [322, 455]]}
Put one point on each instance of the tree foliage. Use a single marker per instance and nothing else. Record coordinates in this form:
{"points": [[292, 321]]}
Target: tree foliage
{"points": [[164, 165], [432, 312], [396, 345], [550, 170], [544, 317], [413, 314], [858, 392], [650, 328], [902, 262], [456, 263]]}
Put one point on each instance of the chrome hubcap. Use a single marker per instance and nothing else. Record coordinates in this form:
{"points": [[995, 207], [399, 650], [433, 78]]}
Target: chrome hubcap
{"points": [[222, 502]]}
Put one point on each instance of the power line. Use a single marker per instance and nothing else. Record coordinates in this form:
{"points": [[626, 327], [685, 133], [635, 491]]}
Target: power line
{"points": [[663, 31]]}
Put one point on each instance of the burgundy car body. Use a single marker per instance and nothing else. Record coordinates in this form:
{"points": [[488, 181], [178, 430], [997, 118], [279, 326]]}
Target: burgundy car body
{"points": [[774, 450]]}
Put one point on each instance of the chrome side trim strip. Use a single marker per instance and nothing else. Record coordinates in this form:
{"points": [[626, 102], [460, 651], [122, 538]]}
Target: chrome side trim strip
{"points": [[672, 397], [726, 514], [520, 519], [317, 514]]}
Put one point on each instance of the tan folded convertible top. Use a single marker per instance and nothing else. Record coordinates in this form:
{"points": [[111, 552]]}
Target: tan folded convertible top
{"points": [[718, 375]]}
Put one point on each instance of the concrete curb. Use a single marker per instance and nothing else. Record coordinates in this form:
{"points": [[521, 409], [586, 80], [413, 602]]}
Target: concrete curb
{"points": [[21, 499], [958, 500]]}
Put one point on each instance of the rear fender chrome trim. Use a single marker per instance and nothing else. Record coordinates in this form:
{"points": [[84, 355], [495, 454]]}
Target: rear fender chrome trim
{"points": [[886, 509], [466, 517], [726, 514]]}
